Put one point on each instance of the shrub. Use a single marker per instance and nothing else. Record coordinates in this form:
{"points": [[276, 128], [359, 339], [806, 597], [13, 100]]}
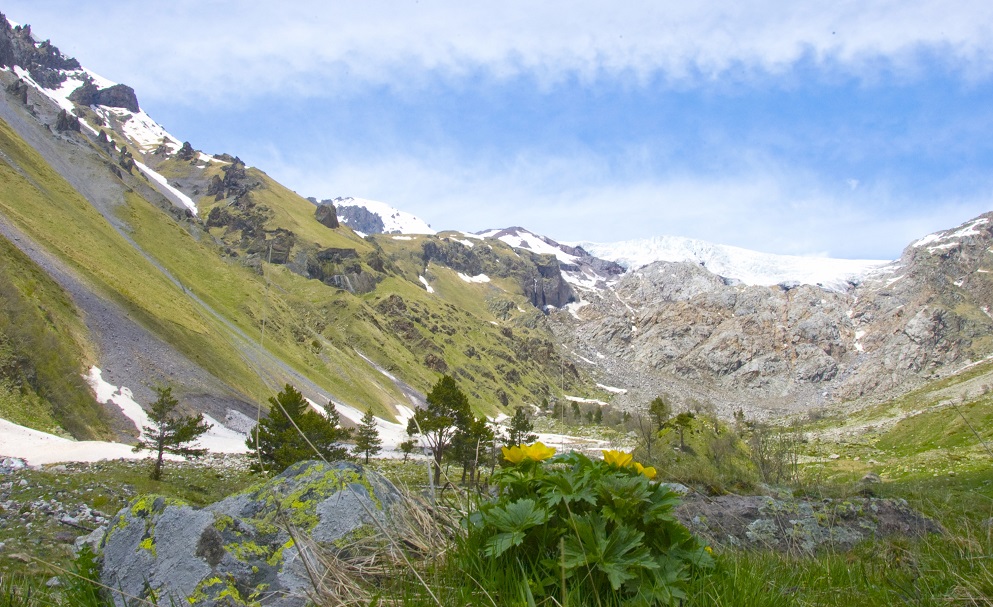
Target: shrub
{"points": [[580, 531]]}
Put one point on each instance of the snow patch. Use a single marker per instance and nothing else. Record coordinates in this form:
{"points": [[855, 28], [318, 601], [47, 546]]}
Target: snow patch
{"points": [[575, 307], [580, 399], [479, 278], [424, 281], [612, 389], [122, 397], [403, 238], [38, 448], [181, 197]]}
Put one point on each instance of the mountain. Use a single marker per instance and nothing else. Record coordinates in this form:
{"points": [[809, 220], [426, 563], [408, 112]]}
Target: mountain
{"points": [[743, 265], [371, 217], [676, 327], [137, 260]]}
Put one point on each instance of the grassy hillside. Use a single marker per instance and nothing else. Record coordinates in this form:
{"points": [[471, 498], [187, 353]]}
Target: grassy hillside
{"points": [[43, 352], [333, 307]]}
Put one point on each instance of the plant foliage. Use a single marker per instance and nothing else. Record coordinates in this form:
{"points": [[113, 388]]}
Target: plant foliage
{"points": [[581, 532]]}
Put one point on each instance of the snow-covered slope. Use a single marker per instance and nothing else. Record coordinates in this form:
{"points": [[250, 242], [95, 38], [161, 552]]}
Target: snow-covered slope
{"points": [[394, 220], [519, 238], [749, 267]]}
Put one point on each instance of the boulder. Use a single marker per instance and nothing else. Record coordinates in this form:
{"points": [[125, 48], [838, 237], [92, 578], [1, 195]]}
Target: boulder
{"points": [[327, 215], [250, 548]]}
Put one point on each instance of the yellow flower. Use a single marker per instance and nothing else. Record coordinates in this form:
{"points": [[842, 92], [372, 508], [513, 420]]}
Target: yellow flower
{"points": [[617, 458], [650, 472], [708, 549], [535, 452]]}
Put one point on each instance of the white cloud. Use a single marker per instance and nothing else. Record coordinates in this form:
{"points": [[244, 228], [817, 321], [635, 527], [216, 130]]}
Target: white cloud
{"points": [[226, 49], [759, 206]]}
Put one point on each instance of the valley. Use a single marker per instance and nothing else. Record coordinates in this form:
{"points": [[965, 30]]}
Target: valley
{"points": [[131, 260]]}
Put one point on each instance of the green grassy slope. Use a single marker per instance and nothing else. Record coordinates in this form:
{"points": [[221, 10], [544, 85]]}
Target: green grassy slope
{"points": [[43, 353], [486, 335]]}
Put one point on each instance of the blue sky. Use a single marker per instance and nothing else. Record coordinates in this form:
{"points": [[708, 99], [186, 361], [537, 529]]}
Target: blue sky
{"points": [[848, 130]]}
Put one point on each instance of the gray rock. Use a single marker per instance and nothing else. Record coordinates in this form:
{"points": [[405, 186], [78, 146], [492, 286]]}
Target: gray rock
{"points": [[243, 548]]}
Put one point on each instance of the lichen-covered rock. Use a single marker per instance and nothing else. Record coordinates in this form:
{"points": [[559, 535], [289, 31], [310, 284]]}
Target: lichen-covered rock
{"points": [[242, 550], [799, 525]]}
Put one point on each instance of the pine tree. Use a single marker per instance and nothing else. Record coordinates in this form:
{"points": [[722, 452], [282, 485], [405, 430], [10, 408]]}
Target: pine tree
{"points": [[521, 429], [367, 439], [293, 431], [446, 413], [170, 433], [407, 447]]}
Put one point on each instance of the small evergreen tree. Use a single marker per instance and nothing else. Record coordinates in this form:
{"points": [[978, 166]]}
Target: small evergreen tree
{"points": [[447, 411], [170, 433], [293, 431], [367, 439], [407, 447], [471, 445], [521, 429]]}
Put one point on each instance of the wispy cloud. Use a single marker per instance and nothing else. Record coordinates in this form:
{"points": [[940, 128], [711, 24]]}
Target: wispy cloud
{"points": [[225, 50], [769, 208]]}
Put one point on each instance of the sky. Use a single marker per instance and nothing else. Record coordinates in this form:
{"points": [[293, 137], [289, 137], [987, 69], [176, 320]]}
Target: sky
{"points": [[847, 129]]}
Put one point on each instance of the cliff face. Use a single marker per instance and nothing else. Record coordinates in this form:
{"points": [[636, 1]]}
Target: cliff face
{"points": [[687, 330]]}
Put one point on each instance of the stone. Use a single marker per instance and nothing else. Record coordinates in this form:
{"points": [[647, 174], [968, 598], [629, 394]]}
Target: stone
{"points": [[326, 215], [244, 549]]}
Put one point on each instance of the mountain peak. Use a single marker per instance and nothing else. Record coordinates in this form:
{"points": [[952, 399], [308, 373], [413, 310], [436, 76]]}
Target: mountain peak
{"points": [[749, 267], [373, 217]]}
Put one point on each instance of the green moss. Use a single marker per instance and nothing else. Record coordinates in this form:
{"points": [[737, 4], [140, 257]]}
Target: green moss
{"points": [[247, 550], [148, 544]]}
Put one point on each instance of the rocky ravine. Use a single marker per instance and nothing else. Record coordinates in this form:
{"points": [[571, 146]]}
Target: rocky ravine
{"points": [[677, 328]]}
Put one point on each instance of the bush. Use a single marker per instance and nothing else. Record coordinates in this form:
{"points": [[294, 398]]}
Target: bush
{"points": [[581, 532]]}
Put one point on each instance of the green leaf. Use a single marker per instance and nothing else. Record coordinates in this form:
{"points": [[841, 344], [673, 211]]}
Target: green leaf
{"points": [[502, 542], [517, 516]]}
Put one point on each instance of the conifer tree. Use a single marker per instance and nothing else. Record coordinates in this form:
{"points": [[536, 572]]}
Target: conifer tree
{"points": [[521, 429], [293, 431], [170, 433], [446, 413], [407, 447], [367, 439]]}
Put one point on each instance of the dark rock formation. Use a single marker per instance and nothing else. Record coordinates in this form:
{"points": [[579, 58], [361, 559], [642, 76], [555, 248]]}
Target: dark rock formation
{"points": [[239, 549], [19, 89], [42, 60], [799, 526], [546, 286], [326, 215], [236, 182], [186, 152], [360, 219], [66, 122], [119, 95]]}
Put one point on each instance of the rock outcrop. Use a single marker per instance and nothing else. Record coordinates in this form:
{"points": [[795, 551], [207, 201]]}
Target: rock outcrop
{"points": [[118, 95], [326, 215], [42, 60], [251, 548], [799, 526]]}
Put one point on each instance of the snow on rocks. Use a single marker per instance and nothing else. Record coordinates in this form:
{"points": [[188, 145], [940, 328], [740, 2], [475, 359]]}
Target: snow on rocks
{"points": [[170, 191], [749, 267], [122, 397]]}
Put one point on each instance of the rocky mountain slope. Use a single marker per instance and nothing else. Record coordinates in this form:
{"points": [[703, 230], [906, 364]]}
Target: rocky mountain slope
{"points": [[677, 327]]}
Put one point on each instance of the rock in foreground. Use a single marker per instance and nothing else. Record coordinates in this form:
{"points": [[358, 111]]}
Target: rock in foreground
{"points": [[240, 550]]}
